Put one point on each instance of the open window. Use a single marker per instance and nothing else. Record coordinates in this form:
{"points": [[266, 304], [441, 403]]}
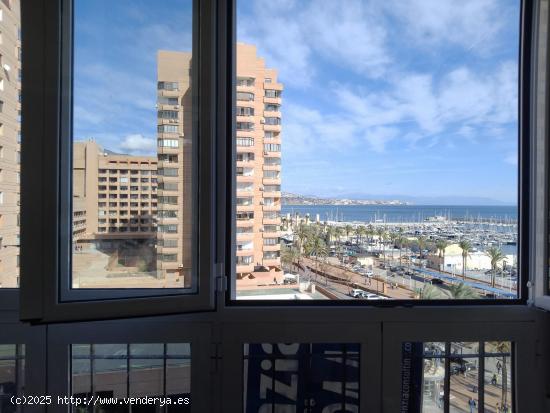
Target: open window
{"points": [[120, 113], [539, 164]]}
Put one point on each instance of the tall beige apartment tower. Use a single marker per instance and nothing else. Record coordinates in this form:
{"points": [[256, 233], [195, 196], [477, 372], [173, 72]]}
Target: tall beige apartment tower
{"points": [[10, 140], [175, 165], [258, 166], [258, 140]]}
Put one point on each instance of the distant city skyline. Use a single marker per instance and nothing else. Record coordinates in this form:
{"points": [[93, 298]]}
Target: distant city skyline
{"points": [[424, 104]]}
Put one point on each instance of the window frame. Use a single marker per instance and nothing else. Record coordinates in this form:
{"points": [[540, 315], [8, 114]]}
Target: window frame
{"points": [[367, 335], [137, 331], [268, 320], [45, 293], [523, 358], [527, 59], [540, 158]]}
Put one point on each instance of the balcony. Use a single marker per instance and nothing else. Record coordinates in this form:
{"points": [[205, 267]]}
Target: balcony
{"points": [[248, 89], [167, 164], [168, 107], [271, 262], [276, 101], [245, 252], [271, 181], [245, 236], [268, 167], [272, 128], [272, 234], [276, 247], [245, 208], [244, 222], [272, 194], [271, 221], [245, 178], [244, 193], [244, 268], [272, 114], [272, 207], [170, 93]]}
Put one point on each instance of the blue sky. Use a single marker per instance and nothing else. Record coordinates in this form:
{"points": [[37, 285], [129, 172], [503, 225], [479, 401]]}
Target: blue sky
{"points": [[392, 97]]}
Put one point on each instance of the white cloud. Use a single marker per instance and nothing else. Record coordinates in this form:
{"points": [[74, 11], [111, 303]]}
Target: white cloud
{"points": [[138, 145], [290, 34], [470, 24]]}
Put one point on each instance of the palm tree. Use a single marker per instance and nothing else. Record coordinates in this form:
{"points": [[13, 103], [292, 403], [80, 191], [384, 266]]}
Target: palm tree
{"points": [[301, 235], [431, 292], [422, 245], [496, 255], [329, 233], [360, 231], [462, 291], [400, 241], [466, 248], [503, 347], [317, 248], [370, 233], [349, 230], [288, 256], [441, 245]]}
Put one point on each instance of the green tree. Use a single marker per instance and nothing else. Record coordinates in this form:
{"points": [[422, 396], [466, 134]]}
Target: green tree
{"points": [[503, 347], [431, 292], [349, 230], [422, 241], [466, 247], [441, 245], [496, 255], [462, 291], [289, 256]]}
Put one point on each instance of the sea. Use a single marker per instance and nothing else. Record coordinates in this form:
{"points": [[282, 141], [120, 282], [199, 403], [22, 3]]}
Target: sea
{"points": [[404, 213]]}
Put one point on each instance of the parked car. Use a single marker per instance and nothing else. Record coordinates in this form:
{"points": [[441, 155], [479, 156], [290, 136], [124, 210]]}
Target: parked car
{"points": [[370, 296], [437, 281], [369, 273], [356, 293]]}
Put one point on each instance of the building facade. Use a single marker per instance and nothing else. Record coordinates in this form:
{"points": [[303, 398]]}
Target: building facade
{"points": [[258, 163], [175, 166], [258, 142], [10, 141]]}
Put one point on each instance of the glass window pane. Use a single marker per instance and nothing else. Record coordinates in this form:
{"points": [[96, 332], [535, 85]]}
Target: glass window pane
{"points": [[133, 156], [292, 377], [433, 379], [10, 143], [433, 385], [12, 374], [133, 370], [384, 168], [464, 385]]}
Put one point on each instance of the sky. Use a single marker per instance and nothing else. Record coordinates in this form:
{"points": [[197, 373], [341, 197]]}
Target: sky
{"points": [[381, 98]]}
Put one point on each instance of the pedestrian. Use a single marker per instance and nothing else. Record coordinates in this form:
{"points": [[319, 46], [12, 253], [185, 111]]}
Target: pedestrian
{"points": [[498, 408], [494, 379], [499, 367], [275, 280], [472, 404]]}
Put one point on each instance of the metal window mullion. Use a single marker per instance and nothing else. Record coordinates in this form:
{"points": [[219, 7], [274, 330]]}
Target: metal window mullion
{"points": [[481, 378], [447, 382]]}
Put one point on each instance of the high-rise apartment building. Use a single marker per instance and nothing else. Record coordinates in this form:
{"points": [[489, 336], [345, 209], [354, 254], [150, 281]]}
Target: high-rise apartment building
{"points": [[175, 165], [258, 166], [115, 204], [10, 139]]}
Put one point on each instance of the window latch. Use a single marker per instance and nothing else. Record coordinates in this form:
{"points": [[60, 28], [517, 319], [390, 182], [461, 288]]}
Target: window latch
{"points": [[221, 279]]}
